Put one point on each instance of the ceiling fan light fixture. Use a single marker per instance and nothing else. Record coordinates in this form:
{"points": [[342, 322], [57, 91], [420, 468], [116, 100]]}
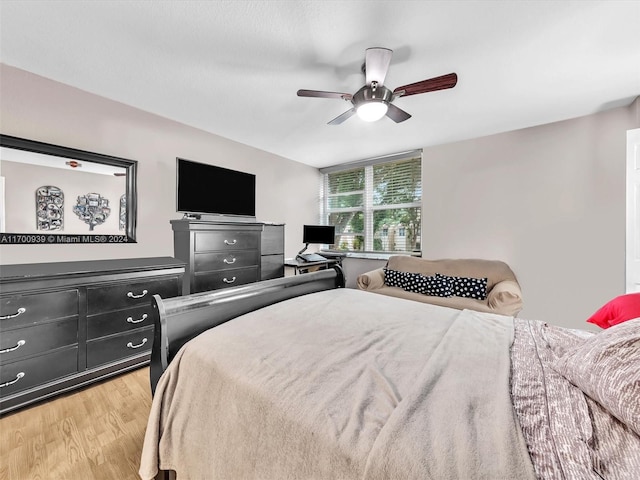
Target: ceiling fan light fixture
{"points": [[373, 101], [372, 111]]}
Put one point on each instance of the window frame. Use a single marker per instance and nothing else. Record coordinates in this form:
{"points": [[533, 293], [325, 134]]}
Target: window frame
{"points": [[368, 208]]}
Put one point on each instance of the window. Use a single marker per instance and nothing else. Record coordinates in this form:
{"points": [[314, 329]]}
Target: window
{"points": [[375, 204]]}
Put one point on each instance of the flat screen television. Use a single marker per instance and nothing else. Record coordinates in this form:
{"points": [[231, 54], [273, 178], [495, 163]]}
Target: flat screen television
{"points": [[208, 189], [318, 234]]}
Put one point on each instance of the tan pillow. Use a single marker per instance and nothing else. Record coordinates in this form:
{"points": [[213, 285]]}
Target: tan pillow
{"points": [[606, 367], [504, 293], [371, 280]]}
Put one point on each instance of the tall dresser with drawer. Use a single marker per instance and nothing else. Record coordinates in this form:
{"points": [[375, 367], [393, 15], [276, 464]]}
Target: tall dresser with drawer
{"points": [[67, 324], [272, 251], [226, 254]]}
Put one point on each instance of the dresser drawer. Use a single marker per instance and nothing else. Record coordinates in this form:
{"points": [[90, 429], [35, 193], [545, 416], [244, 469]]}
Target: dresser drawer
{"points": [[18, 311], [23, 342], [271, 266], [272, 240], [118, 321], [227, 240], [225, 260], [23, 374], [117, 347], [130, 294], [224, 279]]}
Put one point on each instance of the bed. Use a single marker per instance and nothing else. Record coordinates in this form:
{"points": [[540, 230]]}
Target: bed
{"points": [[314, 381]]}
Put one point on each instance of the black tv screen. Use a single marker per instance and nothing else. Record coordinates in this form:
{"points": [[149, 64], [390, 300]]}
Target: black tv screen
{"points": [[204, 188], [318, 234]]}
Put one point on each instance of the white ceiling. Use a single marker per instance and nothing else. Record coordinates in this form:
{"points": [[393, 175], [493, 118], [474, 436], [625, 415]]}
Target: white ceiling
{"points": [[233, 67]]}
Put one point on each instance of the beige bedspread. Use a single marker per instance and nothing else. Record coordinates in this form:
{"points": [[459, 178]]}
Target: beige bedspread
{"points": [[341, 384]]}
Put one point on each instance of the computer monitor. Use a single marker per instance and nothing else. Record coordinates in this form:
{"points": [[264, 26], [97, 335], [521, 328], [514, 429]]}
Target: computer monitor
{"points": [[324, 234], [319, 234]]}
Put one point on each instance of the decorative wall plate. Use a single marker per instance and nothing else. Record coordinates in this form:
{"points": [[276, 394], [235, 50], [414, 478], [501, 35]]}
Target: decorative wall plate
{"points": [[92, 209], [49, 208], [122, 224]]}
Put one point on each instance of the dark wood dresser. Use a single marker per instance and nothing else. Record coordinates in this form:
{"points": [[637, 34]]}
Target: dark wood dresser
{"points": [[226, 254], [272, 251], [67, 324]]}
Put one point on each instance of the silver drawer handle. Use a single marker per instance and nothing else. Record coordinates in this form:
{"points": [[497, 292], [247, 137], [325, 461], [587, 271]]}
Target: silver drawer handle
{"points": [[13, 349], [230, 262], [20, 311], [18, 377], [232, 242], [132, 295], [226, 280], [141, 319], [131, 345]]}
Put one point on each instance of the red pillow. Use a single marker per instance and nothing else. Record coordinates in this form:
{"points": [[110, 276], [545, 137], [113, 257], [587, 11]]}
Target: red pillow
{"points": [[620, 309]]}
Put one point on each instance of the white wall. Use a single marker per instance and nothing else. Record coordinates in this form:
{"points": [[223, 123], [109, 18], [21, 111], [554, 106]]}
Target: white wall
{"points": [[548, 200], [36, 108]]}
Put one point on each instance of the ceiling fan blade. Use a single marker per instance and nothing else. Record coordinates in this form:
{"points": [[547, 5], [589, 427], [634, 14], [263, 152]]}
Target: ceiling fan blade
{"points": [[431, 85], [397, 114], [376, 64], [342, 117], [321, 94]]}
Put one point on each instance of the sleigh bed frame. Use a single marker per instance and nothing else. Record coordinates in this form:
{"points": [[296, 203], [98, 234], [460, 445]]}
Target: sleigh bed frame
{"points": [[296, 373], [177, 320]]}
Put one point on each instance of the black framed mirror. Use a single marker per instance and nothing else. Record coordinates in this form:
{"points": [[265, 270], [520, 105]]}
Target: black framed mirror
{"points": [[53, 194]]}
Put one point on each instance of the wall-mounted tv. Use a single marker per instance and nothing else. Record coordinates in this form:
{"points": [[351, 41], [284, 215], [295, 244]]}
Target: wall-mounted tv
{"points": [[208, 189]]}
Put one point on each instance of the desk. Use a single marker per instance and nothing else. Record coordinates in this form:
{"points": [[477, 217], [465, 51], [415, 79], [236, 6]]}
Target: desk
{"points": [[301, 266]]}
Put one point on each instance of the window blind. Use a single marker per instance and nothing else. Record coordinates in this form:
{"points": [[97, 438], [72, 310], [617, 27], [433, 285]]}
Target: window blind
{"points": [[375, 205]]}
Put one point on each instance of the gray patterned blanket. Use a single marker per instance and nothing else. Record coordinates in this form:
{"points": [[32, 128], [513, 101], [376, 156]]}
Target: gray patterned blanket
{"points": [[569, 435]]}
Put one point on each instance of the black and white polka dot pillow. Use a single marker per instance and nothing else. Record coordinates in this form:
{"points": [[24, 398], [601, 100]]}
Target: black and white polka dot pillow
{"points": [[396, 278], [467, 287], [435, 286], [438, 287], [414, 282], [428, 285]]}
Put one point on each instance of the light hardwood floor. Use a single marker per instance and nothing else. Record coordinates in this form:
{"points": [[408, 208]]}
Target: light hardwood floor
{"points": [[93, 433]]}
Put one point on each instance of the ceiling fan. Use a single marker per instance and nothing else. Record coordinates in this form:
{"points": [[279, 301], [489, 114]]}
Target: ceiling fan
{"points": [[373, 101]]}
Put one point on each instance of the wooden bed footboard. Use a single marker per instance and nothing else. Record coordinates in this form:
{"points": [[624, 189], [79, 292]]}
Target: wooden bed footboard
{"points": [[177, 320]]}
